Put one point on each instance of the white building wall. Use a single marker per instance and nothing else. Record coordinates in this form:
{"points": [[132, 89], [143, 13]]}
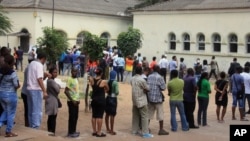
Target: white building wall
{"points": [[71, 23], [156, 27]]}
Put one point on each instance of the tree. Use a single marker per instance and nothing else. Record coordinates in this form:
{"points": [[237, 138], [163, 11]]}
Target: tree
{"points": [[93, 46], [52, 43], [5, 24], [129, 42]]}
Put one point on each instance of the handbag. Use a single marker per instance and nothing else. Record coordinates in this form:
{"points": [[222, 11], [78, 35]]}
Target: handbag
{"points": [[59, 103], [239, 93]]}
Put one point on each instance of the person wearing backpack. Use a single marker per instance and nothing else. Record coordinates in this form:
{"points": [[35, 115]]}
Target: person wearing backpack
{"points": [[111, 103]]}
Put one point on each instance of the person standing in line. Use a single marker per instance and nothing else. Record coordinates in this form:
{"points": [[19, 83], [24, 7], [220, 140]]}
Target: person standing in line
{"points": [[152, 63], [135, 64], [24, 93], [36, 90], [145, 63], [237, 83], [19, 60], [60, 63], [246, 97], [52, 102], [205, 66], [182, 69], [139, 58], [173, 64], [156, 98], [98, 104], [197, 70], [190, 89], [231, 71], [15, 56], [9, 84], [128, 68], [31, 55], [203, 98], [111, 103], [214, 68], [67, 63], [246, 77], [120, 67], [163, 63], [140, 104], [3, 52], [175, 91], [72, 93], [221, 98]]}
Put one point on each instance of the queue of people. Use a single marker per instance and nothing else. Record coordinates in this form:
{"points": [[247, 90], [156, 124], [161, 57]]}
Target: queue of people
{"points": [[185, 87]]}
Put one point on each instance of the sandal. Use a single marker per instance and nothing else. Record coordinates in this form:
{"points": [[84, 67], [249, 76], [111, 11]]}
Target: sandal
{"points": [[10, 134], [112, 133], [94, 134], [102, 135]]}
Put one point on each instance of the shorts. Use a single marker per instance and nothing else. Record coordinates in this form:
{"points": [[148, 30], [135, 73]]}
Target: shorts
{"points": [[158, 107], [235, 100], [111, 105]]}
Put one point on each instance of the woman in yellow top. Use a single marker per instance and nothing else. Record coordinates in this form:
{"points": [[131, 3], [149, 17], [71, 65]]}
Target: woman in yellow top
{"points": [[128, 67]]}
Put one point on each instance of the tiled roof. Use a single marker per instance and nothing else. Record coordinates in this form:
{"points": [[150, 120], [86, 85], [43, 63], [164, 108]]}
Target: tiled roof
{"points": [[106, 7], [173, 5]]}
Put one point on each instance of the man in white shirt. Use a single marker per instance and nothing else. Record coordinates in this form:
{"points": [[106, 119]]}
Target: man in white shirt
{"points": [[163, 63], [36, 90], [246, 77]]}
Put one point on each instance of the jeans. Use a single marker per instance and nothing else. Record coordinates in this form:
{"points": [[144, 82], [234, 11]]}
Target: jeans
{"points": [[120, 71], [8, 101], [34, 98], [67, 66], [202, 110], [163, 72], [197, 77], [235, 100], [19, 62], [180, 106]]}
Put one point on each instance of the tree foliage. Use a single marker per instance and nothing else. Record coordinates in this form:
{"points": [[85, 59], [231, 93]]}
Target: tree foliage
{"points": [[5, 24], [129, 42], [93, 46], [52, 43]]}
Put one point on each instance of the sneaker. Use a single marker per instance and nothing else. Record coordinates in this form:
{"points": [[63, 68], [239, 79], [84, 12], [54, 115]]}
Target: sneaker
{"points": [[162, 132], [147, 135], [74, 135]]}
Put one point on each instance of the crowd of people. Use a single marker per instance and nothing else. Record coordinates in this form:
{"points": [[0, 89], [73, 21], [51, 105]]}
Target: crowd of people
{"points": [[148, 79]]}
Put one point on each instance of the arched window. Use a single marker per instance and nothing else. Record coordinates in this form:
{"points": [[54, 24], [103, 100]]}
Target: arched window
{"points": [[201, 42], [61, 32], [186, 42], [248, 43], [80, 38], [172, 39], [106, 36], [233, 43], [216, 42]]}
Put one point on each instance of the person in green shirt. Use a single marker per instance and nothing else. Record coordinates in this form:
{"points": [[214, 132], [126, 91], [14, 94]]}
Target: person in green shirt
{"points": [[72, 93], [111, 103], [203, 98], [175, 91]]}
